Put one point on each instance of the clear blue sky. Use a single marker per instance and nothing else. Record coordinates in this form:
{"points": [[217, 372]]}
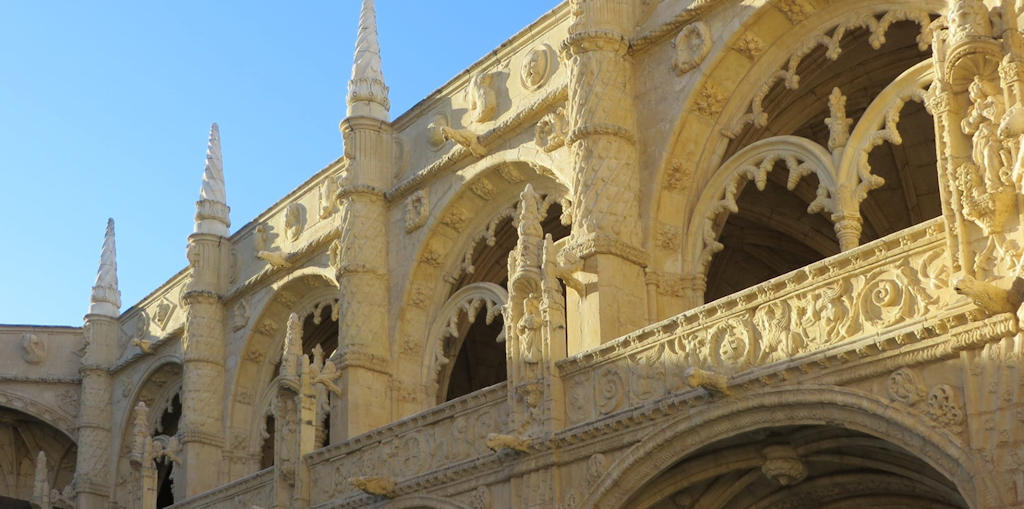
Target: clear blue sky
{"points": [[105, 108]]}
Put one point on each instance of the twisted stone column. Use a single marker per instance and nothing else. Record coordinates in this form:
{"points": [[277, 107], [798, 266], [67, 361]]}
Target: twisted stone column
{"points": [[202, 392], [92, 467], [360, 261], [607, 230]]}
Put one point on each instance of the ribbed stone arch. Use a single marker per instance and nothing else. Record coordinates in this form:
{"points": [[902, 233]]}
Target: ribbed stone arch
{"points": [[719, 98], [473, 197], [877, 125], [790, 406], [157, 386], [455, 317], [800, 156], [41, 411], [302, 291]]}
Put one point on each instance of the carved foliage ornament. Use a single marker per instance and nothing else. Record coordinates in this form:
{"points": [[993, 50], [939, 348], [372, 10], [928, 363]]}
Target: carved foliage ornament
{"points": [[692, 46]]}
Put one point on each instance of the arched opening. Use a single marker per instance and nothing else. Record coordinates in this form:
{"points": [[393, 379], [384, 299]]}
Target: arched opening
{"points": [[167, 425], [477, 355], [773, 233], [319, 339], [22, 437], [799, 467]]}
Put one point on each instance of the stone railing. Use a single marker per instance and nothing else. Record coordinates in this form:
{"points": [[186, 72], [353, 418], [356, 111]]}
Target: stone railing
{"points": [[414, 453], [889, 284], [256, 490]]}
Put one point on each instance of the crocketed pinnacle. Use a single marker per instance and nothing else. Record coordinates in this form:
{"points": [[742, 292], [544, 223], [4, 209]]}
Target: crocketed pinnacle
{"points": [[106, 298], [212, 208], [367, 91]]}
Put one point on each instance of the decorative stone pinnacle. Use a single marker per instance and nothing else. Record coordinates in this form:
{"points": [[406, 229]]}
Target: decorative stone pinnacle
{"points": [[212, 208], [106, 298], [367, 91]]}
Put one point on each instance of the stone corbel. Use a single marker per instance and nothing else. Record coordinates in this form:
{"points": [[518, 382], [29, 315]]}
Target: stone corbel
{"points": [[380, 486], [990, 297], [498, 442], [712, 382]]}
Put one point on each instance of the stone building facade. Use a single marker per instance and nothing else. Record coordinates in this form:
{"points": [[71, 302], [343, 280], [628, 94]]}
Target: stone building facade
{"points": [[646, 254]]}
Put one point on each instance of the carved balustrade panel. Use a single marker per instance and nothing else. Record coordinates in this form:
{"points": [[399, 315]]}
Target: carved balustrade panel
{"points": [[888, 284], [255, 490], [438, 439]]}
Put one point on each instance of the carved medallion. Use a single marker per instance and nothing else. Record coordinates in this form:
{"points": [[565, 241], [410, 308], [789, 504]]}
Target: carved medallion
{"points": [[536, 67], [692, 46]]}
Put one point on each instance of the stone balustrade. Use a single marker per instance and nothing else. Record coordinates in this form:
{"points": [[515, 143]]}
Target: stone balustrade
{"points": [[867, 292], [878, 297]]}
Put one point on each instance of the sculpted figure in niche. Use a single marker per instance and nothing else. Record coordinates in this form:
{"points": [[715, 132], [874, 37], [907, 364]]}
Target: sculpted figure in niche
{"points": [[534, 72], [987, 183]]}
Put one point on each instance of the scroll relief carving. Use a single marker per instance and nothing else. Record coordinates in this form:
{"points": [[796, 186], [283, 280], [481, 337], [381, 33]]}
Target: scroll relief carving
{"points": [[942, 404], [825, 308], [536, 67], [692, 46], [417, 210]]}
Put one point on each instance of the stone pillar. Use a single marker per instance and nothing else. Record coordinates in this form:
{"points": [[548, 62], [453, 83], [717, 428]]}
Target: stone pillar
{"points": [[360, 256], [607, 232], [202, 392], [360, 260], [93, 465]]}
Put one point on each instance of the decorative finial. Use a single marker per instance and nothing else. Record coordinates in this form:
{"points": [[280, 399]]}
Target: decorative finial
{"points": [[367, 92], [106, 299], [212, 208], [292, 347]]}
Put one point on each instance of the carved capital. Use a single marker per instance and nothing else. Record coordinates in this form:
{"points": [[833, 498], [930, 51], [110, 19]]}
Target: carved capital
{"points": [[590, 245]]}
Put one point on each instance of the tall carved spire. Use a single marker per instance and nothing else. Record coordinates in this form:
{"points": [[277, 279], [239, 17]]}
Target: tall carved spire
{"points": [[212, 208], [106, 299], [367, 92]]}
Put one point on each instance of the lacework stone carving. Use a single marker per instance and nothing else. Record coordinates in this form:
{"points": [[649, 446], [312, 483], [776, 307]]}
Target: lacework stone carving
{"points": [[877, 22], [870, 289], [444, 436]]}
